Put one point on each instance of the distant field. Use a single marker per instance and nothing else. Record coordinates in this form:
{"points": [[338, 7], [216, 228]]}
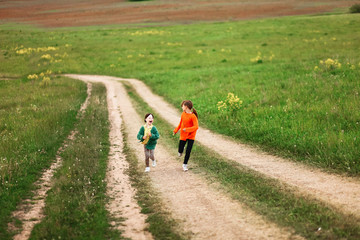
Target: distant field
{"points": [[66, 13]]}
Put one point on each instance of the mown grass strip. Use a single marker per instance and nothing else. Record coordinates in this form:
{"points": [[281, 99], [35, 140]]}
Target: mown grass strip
{"points": [[266, 196], [75, 206], [34, 122]]}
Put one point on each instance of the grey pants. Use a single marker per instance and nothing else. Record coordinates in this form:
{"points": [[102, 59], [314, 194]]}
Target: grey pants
{"points": [[149, 153]]}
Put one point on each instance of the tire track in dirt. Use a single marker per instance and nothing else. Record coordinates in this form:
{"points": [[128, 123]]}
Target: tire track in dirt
{"points": [[122, 202], [342, 193], [198, 207], [30, 211]]}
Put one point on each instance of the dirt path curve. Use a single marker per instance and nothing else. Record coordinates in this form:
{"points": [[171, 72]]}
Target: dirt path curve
{"points": [[342, 193], [201, 209], [30, 211]]}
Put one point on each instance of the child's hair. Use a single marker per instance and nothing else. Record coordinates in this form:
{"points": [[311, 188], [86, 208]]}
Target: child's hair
{"points": [[146, 116], [189, 104]]}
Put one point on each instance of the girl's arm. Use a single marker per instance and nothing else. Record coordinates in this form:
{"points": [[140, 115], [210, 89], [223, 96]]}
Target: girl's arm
{"points": [[195, 125], [154, 133], [140, 134], [178, 127]]}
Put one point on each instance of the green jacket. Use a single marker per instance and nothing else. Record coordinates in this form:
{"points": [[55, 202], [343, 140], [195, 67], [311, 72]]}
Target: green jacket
{"points": [[153, 139]]}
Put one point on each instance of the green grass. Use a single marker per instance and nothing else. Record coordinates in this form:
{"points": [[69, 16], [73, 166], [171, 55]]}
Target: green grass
{"points": [[288, 108], [34, 123], [268, 197], [75, 206]]}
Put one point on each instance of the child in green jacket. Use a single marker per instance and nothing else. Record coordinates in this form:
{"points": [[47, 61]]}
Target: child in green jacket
{"points": [[148, 135]]}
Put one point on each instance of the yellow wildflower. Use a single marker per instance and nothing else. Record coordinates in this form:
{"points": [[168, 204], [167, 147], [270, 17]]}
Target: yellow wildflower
{"points": [[46, 56], [330, 63], [21, 51], [45, 82], [231, 103], [33, 76], [221, 106]]}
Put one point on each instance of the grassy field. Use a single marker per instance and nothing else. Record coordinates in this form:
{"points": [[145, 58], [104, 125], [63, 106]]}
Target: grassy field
{"points": [[34, 123], [288, 85], [297, 78]]}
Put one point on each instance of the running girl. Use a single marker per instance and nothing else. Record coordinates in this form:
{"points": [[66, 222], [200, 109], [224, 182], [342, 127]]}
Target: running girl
{"points": [[148, 135], [188, 126]]}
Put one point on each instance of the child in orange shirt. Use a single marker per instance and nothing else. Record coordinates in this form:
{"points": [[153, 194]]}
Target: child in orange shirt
{"points": [[188, 126]]}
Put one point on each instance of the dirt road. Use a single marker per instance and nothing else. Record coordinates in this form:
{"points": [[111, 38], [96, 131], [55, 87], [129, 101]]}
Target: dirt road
{"points": [[200, 208]]}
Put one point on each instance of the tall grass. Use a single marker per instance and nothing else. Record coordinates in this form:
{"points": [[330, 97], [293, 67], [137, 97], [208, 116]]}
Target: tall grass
{"points": [[34, 123], [292, 104]]}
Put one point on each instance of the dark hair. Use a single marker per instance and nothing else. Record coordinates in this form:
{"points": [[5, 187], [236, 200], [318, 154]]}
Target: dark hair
{"points": [[189, 104], [146, 115]]}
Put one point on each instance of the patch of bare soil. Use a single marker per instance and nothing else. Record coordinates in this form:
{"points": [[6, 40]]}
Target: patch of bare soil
{"points": [[67, 13], [342, 193], [30, 211], [200, 208]]}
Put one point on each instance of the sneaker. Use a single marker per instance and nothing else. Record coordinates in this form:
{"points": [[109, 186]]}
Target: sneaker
{"points": [[185, 167], [154, 163], [147, 169], [179, 154]]}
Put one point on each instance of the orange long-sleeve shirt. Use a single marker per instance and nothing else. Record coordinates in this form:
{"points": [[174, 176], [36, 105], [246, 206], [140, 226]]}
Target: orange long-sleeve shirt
{"points": [[188, 121]]}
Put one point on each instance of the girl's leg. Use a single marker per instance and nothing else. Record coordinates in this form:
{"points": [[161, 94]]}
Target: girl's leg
{"points": [[151, 154], [147, 156], [189, 146], [152, 157], [181, 146]]}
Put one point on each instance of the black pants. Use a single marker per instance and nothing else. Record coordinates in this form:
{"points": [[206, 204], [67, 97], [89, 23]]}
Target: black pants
{"points": [[189, 146]]}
